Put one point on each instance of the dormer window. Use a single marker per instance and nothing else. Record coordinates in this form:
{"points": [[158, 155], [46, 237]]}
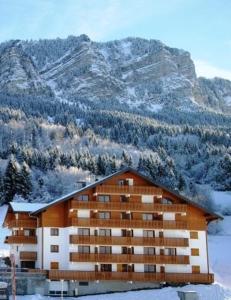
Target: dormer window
{"points": [[127, 181], [166, 201], [84, 198], [104, 198]]}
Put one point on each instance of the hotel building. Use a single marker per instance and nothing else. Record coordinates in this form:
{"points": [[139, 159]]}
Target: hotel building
{"points": [[123, 232]]}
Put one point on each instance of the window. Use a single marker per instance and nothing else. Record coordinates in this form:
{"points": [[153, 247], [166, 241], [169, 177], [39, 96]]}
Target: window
{"points": [[54, 265], [104, 198], [104, 215], [83, 283], [148, 233], [105, 232], [124, 198], [193, 235], [149, 250], [54, 248], [57, 293], [150, 268], [83, 198], [170, 251], [105, 249], [121, 182], [83, 231], [147, 217], [29, 232], [54, 231], [126, 216], [83, 249], [105, 268], [195, 252], [196, 269], [161, 234], [166, 201]]}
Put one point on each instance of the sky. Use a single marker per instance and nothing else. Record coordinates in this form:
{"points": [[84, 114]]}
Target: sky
{"points": [[202, 27]]}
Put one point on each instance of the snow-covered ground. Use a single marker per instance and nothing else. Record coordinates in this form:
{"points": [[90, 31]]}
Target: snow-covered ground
{"points": [[219, 258], [212, 292]]}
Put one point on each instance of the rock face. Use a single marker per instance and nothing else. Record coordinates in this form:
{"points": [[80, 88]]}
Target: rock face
{"points": [[139, 73], [18, 74], [216, 93]]}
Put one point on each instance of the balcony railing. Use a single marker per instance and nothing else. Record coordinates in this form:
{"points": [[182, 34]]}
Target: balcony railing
{"points": [[128, 189], [144, 207], [131, 276], [128, 241], [21, 239], [119, 223], [26, 255], [22, 223], [129, 258]]}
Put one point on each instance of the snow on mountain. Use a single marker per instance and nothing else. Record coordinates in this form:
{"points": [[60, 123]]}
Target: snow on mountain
{"points": [[18, 74], [129, 71]]}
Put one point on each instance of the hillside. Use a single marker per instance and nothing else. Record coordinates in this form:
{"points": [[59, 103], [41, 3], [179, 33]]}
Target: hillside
{"points": [[74, 107]]}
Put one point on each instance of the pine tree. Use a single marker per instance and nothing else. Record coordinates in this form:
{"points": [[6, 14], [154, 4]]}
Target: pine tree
{"points": [[24, 187], [181, 183], [11, 179]]}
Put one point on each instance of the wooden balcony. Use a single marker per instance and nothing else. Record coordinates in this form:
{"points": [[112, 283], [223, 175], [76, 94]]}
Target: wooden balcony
{"points": [[131, 276], [128, 241], [122, 206], [21, 239], [22, 223], [129, 258], [26, 255], [128, 190], [119, 223]]}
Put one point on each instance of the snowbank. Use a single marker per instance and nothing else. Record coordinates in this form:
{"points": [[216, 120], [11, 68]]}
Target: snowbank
{"points": [[206, 292]]}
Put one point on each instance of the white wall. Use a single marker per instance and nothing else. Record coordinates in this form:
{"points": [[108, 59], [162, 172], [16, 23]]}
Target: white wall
{"points": [[200, 260], [62, 240], [116, 232], [138, 250], [116, 249], [169, 216], [178, 269], [147, 199], [81, 266], [83, 213], [176, 233], [138, 232], [58, 286], [139, 267]]}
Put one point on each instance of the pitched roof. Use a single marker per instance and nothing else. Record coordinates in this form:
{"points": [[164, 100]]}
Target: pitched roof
{"points": [[212, 215], [26, 206]]}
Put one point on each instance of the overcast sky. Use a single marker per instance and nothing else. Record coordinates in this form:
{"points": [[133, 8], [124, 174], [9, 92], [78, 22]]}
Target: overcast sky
{"points": [[203, 27]]}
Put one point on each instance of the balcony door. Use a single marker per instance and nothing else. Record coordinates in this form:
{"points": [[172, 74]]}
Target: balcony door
{"points": [[105, 268]]}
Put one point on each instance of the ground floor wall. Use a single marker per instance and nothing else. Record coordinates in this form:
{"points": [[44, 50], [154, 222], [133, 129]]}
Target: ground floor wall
{"points": [[75, 288]]}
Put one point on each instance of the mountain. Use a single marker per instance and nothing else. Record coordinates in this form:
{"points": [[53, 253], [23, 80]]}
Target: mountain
{"points": [[18, 74], [134, 73], [70, 108]]}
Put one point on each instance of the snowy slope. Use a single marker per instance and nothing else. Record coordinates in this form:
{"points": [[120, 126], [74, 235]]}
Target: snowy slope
{"points": [[220, 243]]}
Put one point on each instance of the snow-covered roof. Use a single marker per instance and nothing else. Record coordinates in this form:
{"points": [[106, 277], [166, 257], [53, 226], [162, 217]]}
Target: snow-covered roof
{"points": [[25, 206]]}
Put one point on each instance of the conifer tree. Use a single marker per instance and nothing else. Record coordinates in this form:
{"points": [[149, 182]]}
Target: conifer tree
{"points": [[24, 181], [11, 180]]}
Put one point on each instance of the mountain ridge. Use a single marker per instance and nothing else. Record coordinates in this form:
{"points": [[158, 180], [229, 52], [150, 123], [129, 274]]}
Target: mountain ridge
{"points": [[140, 74]]}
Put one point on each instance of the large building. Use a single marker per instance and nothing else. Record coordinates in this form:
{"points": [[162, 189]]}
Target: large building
{"points": [[120, 233]]}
